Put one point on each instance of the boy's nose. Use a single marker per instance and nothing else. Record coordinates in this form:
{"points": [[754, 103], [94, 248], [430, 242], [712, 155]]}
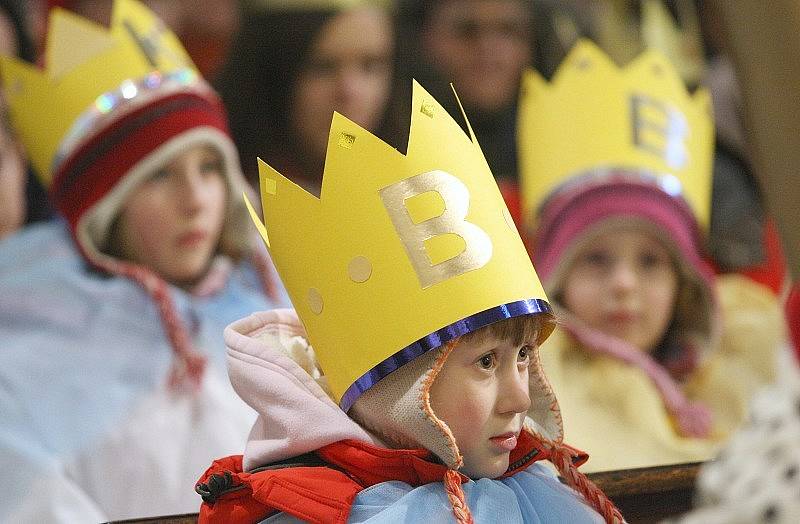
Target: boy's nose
{"points": [[515, 398]]}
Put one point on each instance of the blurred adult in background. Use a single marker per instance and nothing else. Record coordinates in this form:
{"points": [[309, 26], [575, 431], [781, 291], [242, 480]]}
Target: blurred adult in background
{"points": [[481, 47], [22, 198], [291, 66]]}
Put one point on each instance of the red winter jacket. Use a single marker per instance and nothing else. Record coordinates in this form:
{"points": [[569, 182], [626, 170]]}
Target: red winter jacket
{"points": [[321, 486]]}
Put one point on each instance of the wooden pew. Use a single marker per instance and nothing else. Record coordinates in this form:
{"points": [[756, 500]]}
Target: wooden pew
{"points": [[643, 495], [647, 495]]}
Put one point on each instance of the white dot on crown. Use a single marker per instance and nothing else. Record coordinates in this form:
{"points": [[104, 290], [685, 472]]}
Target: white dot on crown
{"points": [[315, 302], [359, 269]]}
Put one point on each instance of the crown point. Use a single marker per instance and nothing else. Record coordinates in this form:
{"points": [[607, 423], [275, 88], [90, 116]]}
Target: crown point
{"points": [[315, 302], [359, 269], [72, 41]]}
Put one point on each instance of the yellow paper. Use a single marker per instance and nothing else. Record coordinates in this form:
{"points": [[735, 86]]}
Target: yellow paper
{"points": [[397, 246], [83, 61], [596, 115]]}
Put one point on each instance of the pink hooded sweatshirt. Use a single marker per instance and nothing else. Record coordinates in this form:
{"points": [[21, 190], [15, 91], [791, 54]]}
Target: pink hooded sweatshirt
{"points": [[295, 415]]}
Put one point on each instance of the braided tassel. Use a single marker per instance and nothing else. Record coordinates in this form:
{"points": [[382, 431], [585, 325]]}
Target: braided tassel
{"points": [[452, 483], [561, 457], [189, 364]]}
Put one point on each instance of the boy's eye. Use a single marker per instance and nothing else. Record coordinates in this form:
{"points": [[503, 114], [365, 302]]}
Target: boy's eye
{"points": [[524, 354], [487, 361]]}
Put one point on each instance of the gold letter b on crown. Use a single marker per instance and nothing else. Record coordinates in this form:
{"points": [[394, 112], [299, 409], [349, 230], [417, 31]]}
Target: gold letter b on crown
{"points": [[455, 195]]}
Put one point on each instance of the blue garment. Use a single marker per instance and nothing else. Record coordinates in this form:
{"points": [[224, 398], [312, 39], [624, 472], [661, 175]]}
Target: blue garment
{"points": [[82, 387], [533, 496]]}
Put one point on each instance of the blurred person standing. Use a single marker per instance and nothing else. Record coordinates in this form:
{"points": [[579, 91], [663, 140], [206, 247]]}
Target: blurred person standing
{"points": [[291, 66], [22, 198]]}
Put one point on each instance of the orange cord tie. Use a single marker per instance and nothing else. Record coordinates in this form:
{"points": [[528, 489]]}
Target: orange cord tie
{"points": [[452, 484], [561, 457]]}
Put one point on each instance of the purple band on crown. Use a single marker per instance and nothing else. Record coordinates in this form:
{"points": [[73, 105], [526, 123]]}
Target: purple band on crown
{"points": [[438, 338]]}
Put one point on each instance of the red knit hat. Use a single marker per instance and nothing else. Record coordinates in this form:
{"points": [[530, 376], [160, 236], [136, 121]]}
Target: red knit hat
{"points": [[116, 145], [112, 106]]}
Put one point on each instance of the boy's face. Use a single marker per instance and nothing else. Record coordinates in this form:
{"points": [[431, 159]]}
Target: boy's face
{"points": [[172, 222], [482, 394], [623, 282]]}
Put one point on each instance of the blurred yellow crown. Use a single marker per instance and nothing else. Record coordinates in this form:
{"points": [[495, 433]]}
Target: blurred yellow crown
{"points": [[623, 34], [401, 252], [596, 116], [84, 62]]}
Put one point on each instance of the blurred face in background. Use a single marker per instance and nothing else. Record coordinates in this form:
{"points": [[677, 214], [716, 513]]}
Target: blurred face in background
{"points": [[623, 282], [348, 70], [172, 222], [8, 37], [13, 176], [482, 47]]}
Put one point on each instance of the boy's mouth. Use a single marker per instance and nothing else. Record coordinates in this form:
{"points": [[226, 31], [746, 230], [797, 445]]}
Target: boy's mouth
{"points": [[506, 441]]}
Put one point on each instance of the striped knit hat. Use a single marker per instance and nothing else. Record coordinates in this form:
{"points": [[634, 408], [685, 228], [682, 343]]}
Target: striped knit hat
{"points": [[109, 153]]}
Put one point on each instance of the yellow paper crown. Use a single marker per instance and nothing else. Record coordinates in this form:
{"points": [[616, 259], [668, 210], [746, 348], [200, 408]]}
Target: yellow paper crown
{"points": [[397, 247], [595, 115], [84, 61]]}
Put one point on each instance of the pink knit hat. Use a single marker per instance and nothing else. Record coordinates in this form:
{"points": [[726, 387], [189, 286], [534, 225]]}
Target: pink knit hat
{"points": [[577, 211], [586, 201]]}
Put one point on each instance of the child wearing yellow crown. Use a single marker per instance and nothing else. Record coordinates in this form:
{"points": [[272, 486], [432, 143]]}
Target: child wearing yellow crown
{"points": [[115, 394], [658, 359], [425, 315]]}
